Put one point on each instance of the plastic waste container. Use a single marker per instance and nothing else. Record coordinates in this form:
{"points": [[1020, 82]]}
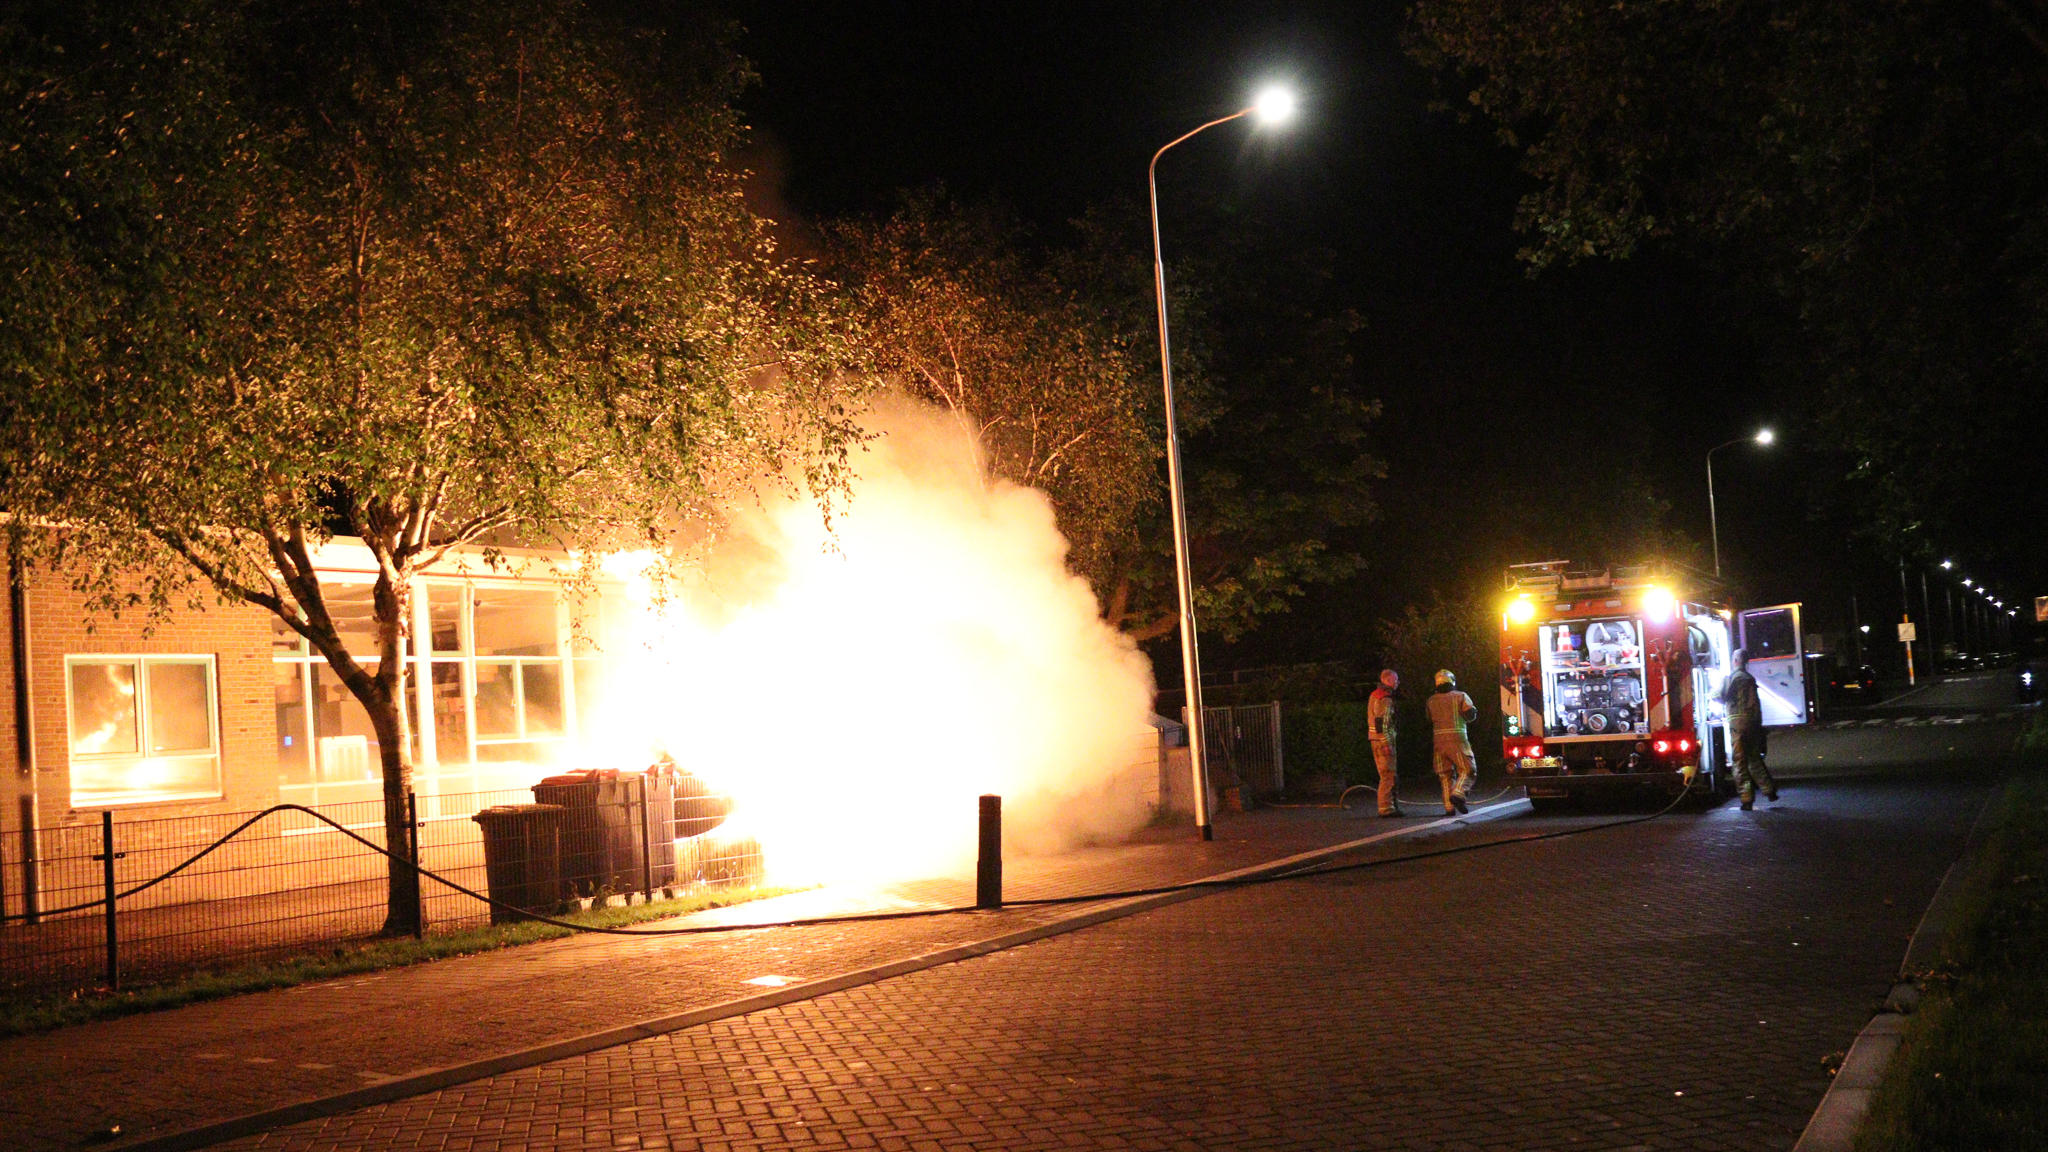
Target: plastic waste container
{"points": [[618, 830], [522, 858], [698, 809]]}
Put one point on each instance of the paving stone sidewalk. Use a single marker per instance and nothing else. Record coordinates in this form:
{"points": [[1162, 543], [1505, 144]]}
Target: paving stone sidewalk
{"points": [[1670, 985], [169, 1071]]}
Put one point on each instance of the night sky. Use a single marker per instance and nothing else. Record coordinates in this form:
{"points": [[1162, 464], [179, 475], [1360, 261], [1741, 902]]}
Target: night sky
{"points": [[1054, 107]]}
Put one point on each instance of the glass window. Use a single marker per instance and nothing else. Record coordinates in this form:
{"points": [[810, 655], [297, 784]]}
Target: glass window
{"points": [[515, 622], [180, 707], [1768, 632], [497, 700], [104, 712], [534, 753], [499, 689], [294, 755], [284, 641], [353, 609], [142, 729], [345, 743], [451, 714], [541, 692], [102, 782], [444, 617]]}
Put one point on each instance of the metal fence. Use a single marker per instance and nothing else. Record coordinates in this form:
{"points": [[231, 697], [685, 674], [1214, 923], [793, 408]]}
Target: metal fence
{"points": [[1244, 741], [297, 880], [291, 882]]}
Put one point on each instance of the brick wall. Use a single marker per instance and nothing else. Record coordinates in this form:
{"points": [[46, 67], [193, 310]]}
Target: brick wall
{"points": [[236, 636]]}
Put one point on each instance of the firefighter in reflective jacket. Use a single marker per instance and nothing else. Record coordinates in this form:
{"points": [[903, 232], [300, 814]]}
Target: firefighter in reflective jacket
{"points": [[1449, 712], [1379, 718]]}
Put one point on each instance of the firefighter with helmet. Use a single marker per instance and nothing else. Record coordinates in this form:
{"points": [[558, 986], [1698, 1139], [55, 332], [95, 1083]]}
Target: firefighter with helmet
{"points": [[1746, 733], [1380, 715], [1449, 712]]}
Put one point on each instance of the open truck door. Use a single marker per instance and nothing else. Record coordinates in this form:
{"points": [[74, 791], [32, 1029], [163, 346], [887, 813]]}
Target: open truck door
{"points": [[1777, 659]]}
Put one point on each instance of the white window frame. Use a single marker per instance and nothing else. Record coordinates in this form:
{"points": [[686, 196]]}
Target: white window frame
{"points": [[561, 660], [420, 659], [143, 723]]}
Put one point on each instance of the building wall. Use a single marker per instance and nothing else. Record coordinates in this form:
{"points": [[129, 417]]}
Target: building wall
{"points": [[236, 636], [247, 665]]}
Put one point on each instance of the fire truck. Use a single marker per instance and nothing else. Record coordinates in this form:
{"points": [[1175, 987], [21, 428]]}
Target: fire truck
{"points": [[1610, 679]]}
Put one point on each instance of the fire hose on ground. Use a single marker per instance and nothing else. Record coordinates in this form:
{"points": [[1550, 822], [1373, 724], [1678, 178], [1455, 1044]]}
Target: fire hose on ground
{"points": [[1305, 872], [1341, 800]]}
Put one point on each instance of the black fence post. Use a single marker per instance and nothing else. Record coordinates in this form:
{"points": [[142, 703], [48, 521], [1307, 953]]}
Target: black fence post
{"points": [[108, 856], [412, 830], [988, 869], [646, 843], [31, 864]]}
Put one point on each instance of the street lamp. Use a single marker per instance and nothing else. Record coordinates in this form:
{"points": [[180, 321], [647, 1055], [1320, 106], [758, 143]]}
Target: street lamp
{"points": [[1271, 107], [1763, 439]]}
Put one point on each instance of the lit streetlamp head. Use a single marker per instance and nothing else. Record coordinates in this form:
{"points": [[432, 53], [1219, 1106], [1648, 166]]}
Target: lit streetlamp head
{"points": [[1273, 106], [1948, 564], [1766, 437]]}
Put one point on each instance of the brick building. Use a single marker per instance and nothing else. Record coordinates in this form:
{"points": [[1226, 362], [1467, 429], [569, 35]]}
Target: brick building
{"points": [[225, 710]]}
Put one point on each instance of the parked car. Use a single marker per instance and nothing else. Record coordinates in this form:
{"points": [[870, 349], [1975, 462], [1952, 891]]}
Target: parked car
{"points": [[1853, 685]]}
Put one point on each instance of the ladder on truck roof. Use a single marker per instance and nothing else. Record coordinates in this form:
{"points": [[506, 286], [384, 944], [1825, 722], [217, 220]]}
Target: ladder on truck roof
{"points": [[1554, 577]]}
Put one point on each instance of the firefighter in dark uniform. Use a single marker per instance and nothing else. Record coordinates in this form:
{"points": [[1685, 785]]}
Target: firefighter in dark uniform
{"points": [[1746, 734]]}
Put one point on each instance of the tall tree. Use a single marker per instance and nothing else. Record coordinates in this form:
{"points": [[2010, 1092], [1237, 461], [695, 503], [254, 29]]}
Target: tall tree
{"points": [[962, 309], [1048, 350], [1880, 169], [1278, 472], [425, 273]]}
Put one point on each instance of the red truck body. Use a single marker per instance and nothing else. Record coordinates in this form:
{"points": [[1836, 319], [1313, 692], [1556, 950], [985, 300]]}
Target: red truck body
{"points": [[1611, 679]]}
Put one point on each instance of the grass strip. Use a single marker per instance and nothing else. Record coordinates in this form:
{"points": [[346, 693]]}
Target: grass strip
{"points": [[43, 1014], [1971, 1072]]}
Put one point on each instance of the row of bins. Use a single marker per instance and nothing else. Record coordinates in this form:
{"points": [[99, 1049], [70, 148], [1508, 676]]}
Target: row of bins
{"points": [[592, 833]]}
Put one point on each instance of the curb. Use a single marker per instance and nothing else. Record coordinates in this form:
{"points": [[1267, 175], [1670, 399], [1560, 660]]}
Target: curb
{"points": [[1842, 1108], [427, 1080]]}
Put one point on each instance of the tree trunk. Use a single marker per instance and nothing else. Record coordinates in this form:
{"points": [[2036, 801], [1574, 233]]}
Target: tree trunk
{"points": [[382, 696], [392, 598], [403, 915]]}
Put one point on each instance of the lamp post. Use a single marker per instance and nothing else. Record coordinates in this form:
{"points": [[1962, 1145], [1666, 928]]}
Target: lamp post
{"points": [[1762, 439], [1272, 106]]}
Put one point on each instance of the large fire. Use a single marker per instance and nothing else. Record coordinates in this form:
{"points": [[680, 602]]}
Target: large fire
{"points": [[855, 687]]}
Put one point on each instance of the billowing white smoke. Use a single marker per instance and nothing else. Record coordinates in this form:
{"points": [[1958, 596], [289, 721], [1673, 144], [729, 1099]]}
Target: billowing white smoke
{"points": [[856, 687]]}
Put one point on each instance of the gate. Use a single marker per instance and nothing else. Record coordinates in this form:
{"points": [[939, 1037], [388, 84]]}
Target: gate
{"points": [[1245, 740]]}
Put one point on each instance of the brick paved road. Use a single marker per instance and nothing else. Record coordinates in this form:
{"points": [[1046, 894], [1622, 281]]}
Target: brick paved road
{"points": [[168, 1071], [1669, 985]]}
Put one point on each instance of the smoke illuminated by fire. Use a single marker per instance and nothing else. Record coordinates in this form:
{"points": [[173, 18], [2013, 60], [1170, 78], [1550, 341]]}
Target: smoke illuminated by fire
{"points": [[855, 688]]}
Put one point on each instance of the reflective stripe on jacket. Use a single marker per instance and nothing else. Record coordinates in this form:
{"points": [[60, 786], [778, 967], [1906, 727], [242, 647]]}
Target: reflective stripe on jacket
{"points": [[1449, 712], [1379, 716]]}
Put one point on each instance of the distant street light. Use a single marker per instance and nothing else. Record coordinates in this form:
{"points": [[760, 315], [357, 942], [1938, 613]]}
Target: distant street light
{"points": [[1763, 439], [1271, 107]]}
